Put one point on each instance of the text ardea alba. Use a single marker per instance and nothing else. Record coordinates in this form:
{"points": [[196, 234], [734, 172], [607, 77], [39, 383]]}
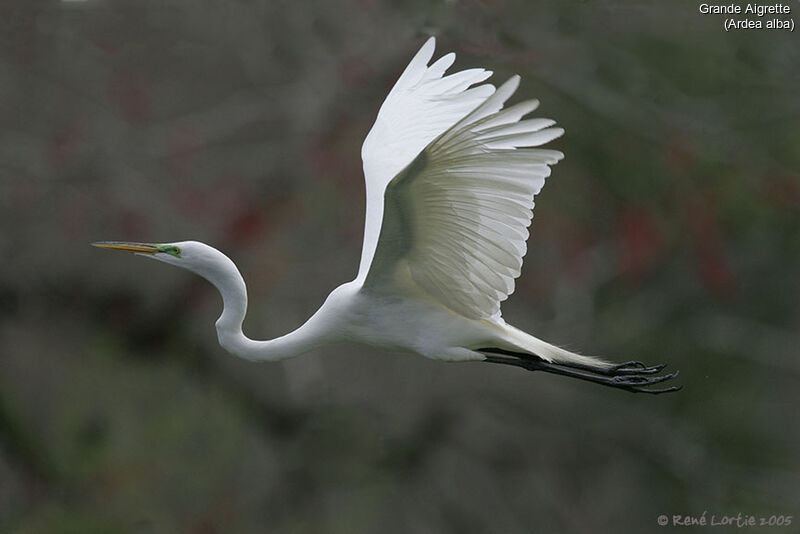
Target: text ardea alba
{"points": [[450, 178]]}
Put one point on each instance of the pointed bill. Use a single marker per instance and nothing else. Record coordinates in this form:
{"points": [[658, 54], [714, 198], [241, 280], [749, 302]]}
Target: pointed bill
{"points": [[141, 248]]}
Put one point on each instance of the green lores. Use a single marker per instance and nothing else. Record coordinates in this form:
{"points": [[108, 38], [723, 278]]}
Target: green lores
{"points": [[172, 250]]}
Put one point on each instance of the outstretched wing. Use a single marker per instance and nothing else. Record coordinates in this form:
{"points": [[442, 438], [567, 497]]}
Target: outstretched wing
{"points": [[422, 105], [456, 218]]}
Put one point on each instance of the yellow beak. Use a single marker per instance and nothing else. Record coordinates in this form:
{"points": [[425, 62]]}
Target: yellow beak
{"points": [[141, 248]]}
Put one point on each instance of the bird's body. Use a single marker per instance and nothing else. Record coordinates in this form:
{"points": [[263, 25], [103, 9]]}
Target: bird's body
{"points": [[451, 177], [406, 320]]}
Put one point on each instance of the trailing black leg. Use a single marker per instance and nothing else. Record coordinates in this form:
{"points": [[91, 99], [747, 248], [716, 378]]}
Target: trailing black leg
{"points": [[630, 376]]}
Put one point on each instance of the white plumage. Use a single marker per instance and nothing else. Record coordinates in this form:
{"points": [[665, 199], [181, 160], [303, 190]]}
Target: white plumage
{"points": [[457, 216], [451, 177]]}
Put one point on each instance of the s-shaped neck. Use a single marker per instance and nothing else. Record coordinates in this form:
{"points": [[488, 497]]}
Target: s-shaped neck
{"points": [[224, 275]]}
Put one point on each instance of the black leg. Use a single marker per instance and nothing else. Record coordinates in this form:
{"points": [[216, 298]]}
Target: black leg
{"points": [[630, 376]]}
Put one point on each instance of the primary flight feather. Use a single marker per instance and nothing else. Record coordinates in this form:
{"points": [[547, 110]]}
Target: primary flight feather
{"points": [[451, 175]]}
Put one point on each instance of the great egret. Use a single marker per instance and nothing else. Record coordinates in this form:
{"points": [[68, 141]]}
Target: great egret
{"points": [[450, 180]]}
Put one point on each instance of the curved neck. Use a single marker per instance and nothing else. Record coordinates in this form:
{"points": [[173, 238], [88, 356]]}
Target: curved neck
{"points": [[227, 279]]}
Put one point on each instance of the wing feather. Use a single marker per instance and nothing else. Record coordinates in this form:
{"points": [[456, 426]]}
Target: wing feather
{"points": [[456, 217], [422, 105]]}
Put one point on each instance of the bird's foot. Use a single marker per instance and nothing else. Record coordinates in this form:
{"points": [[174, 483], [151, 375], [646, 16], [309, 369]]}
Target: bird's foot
{"points": [[637, 383], [634, 368]]}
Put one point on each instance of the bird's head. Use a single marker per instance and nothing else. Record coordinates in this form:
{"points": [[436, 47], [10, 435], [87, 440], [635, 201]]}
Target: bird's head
{"points": [[209, 263], [192, 255]]}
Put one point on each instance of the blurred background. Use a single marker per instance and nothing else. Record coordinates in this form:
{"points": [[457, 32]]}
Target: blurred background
{"points": [[668, 234]]}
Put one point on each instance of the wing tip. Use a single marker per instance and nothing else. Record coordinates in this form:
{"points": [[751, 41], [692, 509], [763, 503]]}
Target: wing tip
{"points": [[428, 47], [512, 84], [449, 57], [425, 53]]}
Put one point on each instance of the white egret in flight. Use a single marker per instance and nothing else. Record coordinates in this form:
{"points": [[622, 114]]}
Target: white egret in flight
{"points": [[450, 180]]}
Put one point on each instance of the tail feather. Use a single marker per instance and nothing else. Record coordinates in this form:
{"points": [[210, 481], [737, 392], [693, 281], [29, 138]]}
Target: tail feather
{"points": [[524, 342]]}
